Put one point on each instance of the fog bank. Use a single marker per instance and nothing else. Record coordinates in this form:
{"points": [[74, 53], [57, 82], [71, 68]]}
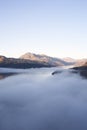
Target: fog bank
{"points": [[36, 100]]}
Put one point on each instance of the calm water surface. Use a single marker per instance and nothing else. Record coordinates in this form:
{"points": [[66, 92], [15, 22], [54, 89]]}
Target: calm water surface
{"points": [[33, 99]]}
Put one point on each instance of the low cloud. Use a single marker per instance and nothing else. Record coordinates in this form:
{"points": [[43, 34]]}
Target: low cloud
{"points": [[39, 101]]}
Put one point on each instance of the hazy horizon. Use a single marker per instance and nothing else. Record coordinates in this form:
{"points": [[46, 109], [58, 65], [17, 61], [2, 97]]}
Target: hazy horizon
{"points": [[52, 27], [9, 56]]}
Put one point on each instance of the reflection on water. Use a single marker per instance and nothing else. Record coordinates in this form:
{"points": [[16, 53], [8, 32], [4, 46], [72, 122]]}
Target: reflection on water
{"points": [[83, 73], [38, 100], [5, 75]]}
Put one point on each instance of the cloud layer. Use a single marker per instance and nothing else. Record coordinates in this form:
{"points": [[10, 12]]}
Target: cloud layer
{"points": [[39, 101]]}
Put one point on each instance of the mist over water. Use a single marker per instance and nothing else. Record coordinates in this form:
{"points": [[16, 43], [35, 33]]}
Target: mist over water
{"points": [[36, 100]]}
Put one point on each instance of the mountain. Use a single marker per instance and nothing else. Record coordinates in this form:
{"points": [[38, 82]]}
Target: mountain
{"points": [[70, 60], [82, 65], [81, 68], [80, 62], [44, 58], [21, 63], [31, 60]]}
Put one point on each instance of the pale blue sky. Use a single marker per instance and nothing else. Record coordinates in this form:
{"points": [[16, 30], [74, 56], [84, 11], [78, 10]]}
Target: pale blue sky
{"points": [[53, 27]]}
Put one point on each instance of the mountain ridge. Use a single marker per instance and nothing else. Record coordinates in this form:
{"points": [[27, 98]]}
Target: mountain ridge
{"points": [[32, 60], [41, 57], [21, 63]]}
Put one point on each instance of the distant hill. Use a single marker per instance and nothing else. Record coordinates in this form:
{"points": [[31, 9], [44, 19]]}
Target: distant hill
{"points": [[30, 60], [81, 68], [21, 63], [80, 62], [70, 60], [44, 58]]}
